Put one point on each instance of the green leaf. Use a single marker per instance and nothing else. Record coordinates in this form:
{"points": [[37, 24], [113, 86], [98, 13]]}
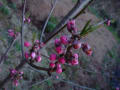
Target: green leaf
{"points": [[18, 46], [88, 28], [85, 27]]}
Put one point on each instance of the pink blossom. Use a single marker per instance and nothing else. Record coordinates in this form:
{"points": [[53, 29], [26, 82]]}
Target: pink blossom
{"points": [[62, 60], [76, 45], [58, 65], [87, 49], [27, 44], [59, 50], [53, 57], [57, 77], [41, 44], [108, 22], [89, 52], [37, 41], [75, 29], [33, 55], [29, 20], [57, 42], [26, 55], [63, 40], [52, 65], [76, 56], [21, 72], [38, 59], [71, 25], [74, 62], [11, 33], [24, 19], [15, 82], [13, 72], [59, 70]]}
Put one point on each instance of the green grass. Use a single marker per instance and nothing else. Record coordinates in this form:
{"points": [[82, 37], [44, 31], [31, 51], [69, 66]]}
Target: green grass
{"points": [[4, 10], [51, 24]]}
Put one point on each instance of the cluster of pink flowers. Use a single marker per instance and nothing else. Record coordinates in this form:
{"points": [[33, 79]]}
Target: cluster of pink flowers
{"points": [[12, 33], [34, 53], [28, 20], [16, 76], [63, 47], [71, 26]]}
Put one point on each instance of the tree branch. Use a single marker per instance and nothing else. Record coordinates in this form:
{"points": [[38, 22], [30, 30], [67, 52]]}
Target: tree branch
{"points": [[22, 30], [6, 52], [74, 13], [43, 30]]}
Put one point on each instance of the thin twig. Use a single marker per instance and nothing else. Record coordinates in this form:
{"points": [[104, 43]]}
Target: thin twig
{"points": [[8, 49], [43, 30], [74, 84], [22, 30], [101, 22]]}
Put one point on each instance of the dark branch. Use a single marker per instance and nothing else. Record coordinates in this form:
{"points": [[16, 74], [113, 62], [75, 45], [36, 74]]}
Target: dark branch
{"points": [[6, 52], [22, 30]]}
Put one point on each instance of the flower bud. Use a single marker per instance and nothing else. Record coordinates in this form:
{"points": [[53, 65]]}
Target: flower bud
{"points": [[108, 22], [89, 52], [71, 25], [59, 70], [27, 44], [13, 72], [15, 82], [75, 56], [74, 62], [57, 42], [26, 55], [61, 60], [75, 29], [33, 55], [38, 59], [21, 72], [11, 33], [57, 77], [59, 50], [53, 57], [63, 40], [58, 65], [52, 65], [87, 49], [76, 45], [28, 20]]}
